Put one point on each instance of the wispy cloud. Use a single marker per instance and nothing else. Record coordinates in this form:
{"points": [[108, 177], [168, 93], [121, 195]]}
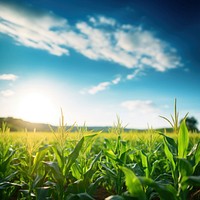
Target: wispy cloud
{"points": [[101, 86], [102, 20], [8, 77], [143, 106], [29, 29], [116, 81], [7, 93], [133, 75], [99, 38]]}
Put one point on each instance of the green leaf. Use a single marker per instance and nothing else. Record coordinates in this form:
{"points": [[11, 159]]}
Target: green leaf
{"points": [[172, 146], [89, 172], [164, 190], [58, 155], [197, 155], [76, 187], [56, 171], [133, 184], [38, 158], [108, 144], [42, 193], [73, 155], [10, 176], [36, 181], [169, 155], [145, 163], [6, 160], [76, 171], [80, 196], [109, 170], [185, 167], [193, 180], [183, 140], [110, 154], [125, 156]]}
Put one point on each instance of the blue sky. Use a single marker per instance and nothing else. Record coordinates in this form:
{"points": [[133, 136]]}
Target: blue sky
{"points": [[99, 59]]}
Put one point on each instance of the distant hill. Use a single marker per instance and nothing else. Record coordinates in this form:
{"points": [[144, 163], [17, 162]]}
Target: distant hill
{"points": [[21, 125]]}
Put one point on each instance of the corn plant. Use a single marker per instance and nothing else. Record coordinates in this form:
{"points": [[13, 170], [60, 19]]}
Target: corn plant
{"points": [[181, 162], [7, 173], [60, 169], [115, 153], [174, 119]]}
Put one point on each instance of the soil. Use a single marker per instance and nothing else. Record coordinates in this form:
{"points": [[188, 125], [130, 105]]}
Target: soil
{"points": [[101, 194]]}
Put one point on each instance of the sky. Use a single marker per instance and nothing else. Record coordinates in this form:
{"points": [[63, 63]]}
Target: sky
{"points": [[97, 60]]}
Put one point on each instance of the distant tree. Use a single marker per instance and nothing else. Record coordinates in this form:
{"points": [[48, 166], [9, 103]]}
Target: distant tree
{"points": [[191, 123]]}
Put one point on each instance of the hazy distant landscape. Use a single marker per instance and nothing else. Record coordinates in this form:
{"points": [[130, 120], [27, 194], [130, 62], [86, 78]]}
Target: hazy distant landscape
{"points": [[19, 125]]}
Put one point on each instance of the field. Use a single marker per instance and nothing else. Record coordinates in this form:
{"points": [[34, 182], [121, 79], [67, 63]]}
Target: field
{"points": [[87, 165]]}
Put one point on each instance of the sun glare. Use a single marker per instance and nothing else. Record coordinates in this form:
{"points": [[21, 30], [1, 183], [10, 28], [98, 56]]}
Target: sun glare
{"points": [[37, 107]]}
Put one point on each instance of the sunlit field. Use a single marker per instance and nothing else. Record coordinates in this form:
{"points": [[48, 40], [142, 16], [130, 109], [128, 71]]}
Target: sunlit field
{"points": [[49, 137], [87, 165]]}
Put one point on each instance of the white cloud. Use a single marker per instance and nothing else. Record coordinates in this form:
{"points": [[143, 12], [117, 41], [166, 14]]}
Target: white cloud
{"points": [[147, 49], [101, 86], [28, 29], [108, 21], [133, 75], [102, 20], [139, 105], [116, 81], [101, 38], [8, 77], [7, 93]]}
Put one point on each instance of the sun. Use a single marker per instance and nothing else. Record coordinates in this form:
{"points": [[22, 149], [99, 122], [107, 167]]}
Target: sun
{"points": [[37, 107]]}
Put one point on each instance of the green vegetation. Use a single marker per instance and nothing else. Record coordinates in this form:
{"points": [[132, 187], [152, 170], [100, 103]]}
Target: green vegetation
{"points": [[87, 165]]}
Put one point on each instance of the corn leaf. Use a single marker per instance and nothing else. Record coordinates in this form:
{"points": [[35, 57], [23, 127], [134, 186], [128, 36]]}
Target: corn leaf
{"points": [[145, 163], [58, 155], [89, 172], [56, 171], [80, 196], [73, 155], [42, 193], [133, 184], [38, 159], [183, 140], [169, 155], [193, 180], [164, 190], [185, 167], [197, 155]]}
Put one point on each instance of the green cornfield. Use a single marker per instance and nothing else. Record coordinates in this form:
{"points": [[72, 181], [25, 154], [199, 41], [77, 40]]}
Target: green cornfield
{"points": [[86, 165]]}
